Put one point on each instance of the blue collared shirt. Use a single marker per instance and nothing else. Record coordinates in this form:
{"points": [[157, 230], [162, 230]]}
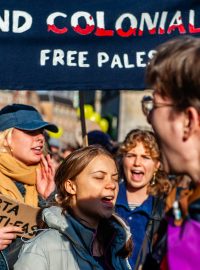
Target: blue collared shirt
{"points": [[137, 219]]}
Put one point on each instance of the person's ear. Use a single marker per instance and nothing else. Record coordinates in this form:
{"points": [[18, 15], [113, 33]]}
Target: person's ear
{"points": [[7, 141], [158, 165], [70, 187], [6, 144], [191, 122]]}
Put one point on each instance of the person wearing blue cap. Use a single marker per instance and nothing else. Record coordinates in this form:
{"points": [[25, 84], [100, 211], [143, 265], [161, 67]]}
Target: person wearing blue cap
{"points": [[26, 174]]}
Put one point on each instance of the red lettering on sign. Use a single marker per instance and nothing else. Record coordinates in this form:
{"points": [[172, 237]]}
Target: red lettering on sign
{"points": [[130, 32], [152, 31], [57, 30], [161, 31], [103, 32], [193, 29], [140, 32], [180, 28], [84, 31]]}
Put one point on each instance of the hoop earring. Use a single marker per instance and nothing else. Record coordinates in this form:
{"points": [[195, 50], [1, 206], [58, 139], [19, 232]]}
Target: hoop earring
{"points": [[153, 180]]}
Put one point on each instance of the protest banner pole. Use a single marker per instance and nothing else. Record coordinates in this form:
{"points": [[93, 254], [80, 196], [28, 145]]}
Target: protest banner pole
{"points": [[82, 117]]}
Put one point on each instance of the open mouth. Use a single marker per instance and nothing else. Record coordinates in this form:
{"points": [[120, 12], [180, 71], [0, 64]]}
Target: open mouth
{"points": [[137, 175], [38, 150], [108, 201]]}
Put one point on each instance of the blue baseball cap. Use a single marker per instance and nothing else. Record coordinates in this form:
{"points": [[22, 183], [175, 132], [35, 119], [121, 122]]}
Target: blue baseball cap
{"points": [[24, 117]]}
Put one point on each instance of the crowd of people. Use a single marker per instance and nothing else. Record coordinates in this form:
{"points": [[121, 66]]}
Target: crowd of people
{"points": [[128, 205]]}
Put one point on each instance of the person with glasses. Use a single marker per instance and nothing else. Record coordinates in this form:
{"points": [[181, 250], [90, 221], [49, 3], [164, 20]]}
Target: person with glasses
{"points": [[173, 110], [142, 191]]}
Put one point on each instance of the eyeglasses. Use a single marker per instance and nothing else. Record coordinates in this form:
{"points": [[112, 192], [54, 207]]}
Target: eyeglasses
{"points": [[148, 105]]}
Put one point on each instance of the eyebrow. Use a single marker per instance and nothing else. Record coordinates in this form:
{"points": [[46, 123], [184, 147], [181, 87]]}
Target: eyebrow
{"points": [[104, 173], [134, 153]]}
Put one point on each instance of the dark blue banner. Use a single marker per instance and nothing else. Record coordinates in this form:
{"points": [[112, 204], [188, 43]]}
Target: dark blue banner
{"points": [[83, 45]]}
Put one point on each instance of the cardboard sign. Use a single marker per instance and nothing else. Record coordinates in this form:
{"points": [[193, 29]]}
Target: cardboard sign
{"points": [[18, 214]]}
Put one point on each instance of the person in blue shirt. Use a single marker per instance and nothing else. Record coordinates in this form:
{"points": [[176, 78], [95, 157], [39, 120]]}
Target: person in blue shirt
{"points": [[140, 198]]}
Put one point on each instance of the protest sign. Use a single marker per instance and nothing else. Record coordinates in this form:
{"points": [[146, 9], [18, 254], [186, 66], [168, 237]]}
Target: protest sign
{"points": [[18, 214]]}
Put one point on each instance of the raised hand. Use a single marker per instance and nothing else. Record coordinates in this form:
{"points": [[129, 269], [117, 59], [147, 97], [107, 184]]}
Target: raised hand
{"points": [[45, 177]]}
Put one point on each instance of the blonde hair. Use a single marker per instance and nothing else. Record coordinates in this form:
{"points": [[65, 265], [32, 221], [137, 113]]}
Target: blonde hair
{"points": [[5, 135]]}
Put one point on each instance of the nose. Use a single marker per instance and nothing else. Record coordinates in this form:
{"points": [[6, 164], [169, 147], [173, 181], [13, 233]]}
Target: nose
{"points": [[137, 161], [111, 184], [39, 137]]}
